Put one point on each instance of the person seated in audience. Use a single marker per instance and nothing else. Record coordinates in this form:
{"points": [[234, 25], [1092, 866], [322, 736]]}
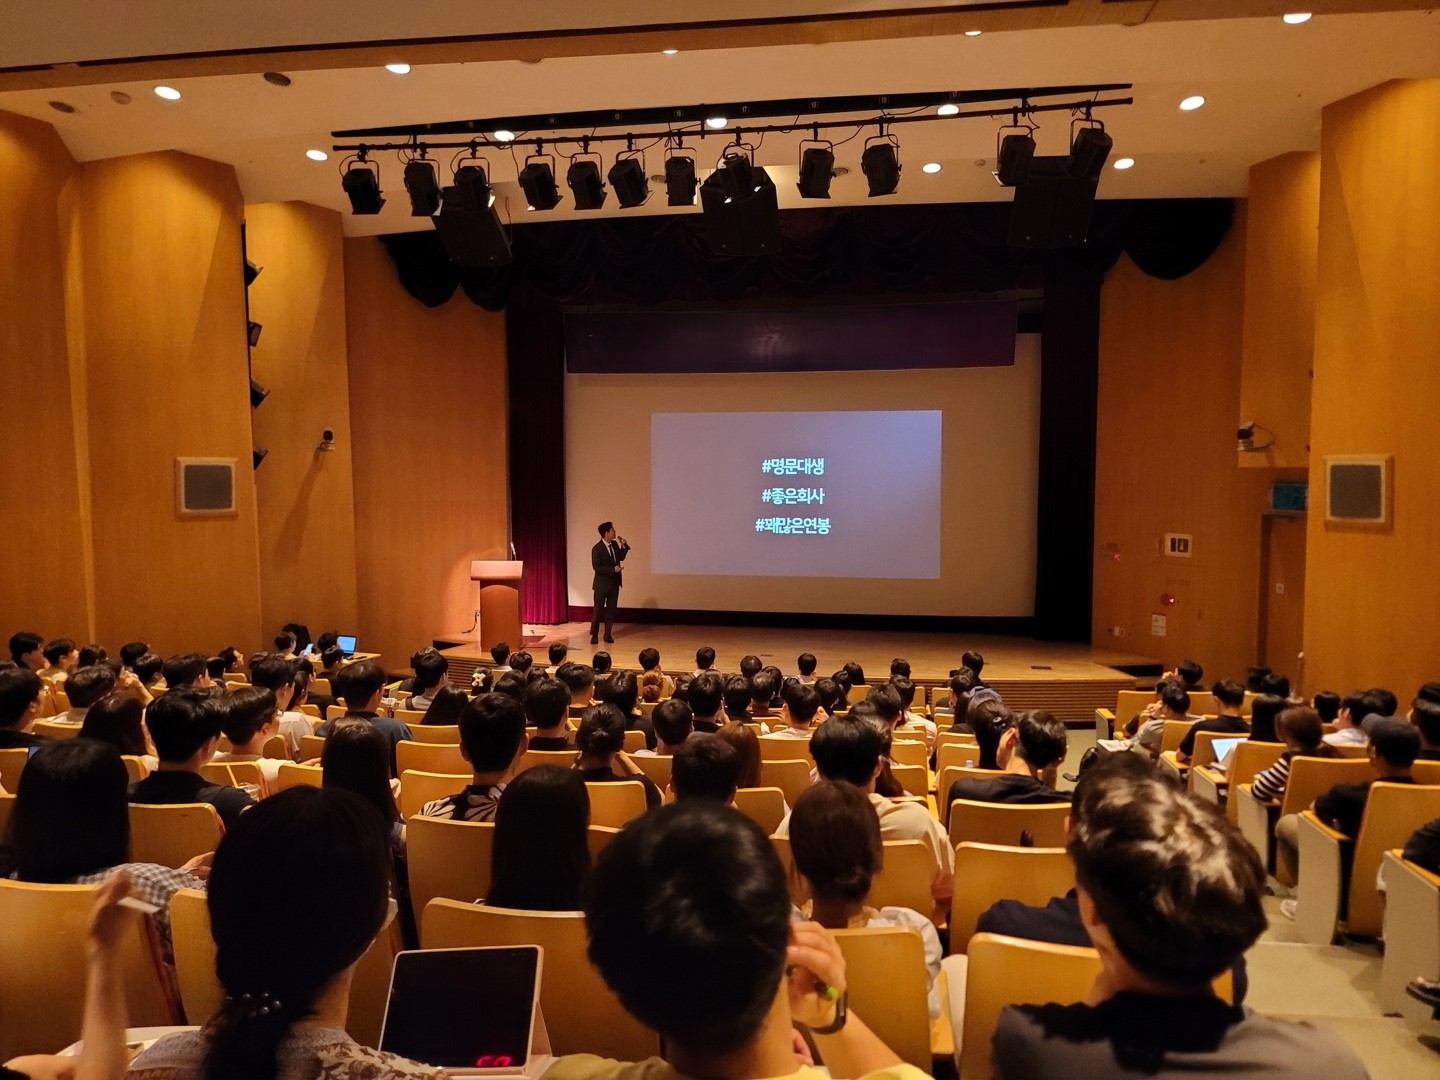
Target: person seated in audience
{"points": [[233, 660], [1254, 676], [750, 665], [20, 690], [1423, 847], [541, 855], [500, 655], [1425, 715], [737, 701], [1394, 745], [521, 662], [251, 719], [704, 660], [712, 897], [547, 707], [445, 707], [286, 643], [118, 719], [431, 676], [602, 760], [287, 995], [492, 740], [707, 700], [147, 668], [850, 748], [888, 704], [356, 758], [132, 651], [603, 663], [70, 826], [92, 654], [885, 784], [61, 658], [989, 719], [652, 687], [1265, 710], [513, 684], [1229, 700], [805, 664], [558, 651], [650, 664], [747, 745], [1174, 705], [273, 672], [1354, 708], [1170, 896], [26, 650], [361, 686], [331, 661], [899, 668], [763, 688], [706, 767], [674, 723], [1190, 674], [835, 839], [1327, 704], [84, 688], [958, 701], [187, 671], [185, 727], [580, 678], [682, 685], [798, 714], [911, 723], [841, 679], [215, 667], [622, 690], [1300, 729], [855, 673], [1030, 753]]}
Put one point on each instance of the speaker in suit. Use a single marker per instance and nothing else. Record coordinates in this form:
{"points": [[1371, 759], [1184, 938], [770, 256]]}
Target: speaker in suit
{"points": [[606, 558]]}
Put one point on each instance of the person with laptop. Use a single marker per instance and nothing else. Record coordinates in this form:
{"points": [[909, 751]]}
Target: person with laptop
{"points": [[1230, 697]]}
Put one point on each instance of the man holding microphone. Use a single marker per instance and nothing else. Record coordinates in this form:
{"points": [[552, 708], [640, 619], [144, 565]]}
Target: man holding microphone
{"points": [[606, 558]]}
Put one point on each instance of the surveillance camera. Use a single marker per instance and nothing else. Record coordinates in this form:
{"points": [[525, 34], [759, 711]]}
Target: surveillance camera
{"points": [[329, 436], [327, 440]]}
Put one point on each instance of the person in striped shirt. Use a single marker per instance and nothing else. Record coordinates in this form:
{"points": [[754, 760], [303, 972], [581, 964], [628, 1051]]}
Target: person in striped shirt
{"points": [[1304, 736]]}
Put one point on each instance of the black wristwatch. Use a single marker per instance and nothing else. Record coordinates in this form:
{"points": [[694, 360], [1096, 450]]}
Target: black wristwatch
{"points": [[841, 1014]]}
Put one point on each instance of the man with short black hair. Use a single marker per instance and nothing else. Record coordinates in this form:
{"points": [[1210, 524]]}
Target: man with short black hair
{"points": [[975, 662], [547, 707], [706, 696], [147, 668], [1354, 709], [557, 652], [1425, 715], [432, 670], [132, 651], [285, 643], [1174, 705], [185, 727], [705, 767], [500, 654], [674, 723], [704, 660], [887, 702], [273, 672], [492, 740], [187, 671], [799, 712], [1189, 672], [1153, 1011], [361, 686], [900, 667], [87, 686], [521, 661], [1229, 702], [602, 663], [61, 658], [580, 680], [737, 701], [25, 650], [763, 688], [911, 723], [805, 664], [20, 690], [750, 665], [832, 697], [606, 559], [1030, 754]]}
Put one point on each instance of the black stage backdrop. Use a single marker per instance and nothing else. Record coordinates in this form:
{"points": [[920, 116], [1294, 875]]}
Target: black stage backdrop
{"points": [[867, 253]]}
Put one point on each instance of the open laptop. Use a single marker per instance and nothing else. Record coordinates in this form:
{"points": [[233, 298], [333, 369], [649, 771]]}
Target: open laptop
{"points": [[1224, 749], [347, 644]]}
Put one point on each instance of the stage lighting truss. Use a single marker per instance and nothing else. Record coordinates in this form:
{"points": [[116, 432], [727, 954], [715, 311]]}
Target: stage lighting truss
{"points": [[880, 162]]}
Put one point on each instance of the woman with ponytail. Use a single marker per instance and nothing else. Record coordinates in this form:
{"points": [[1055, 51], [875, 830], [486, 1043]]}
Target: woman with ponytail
{"points": [[835, 839], [320, 850]]}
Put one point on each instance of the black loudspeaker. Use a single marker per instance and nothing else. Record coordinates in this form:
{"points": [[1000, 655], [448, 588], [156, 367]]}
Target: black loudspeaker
{"points": [[1052, 208], [746, 222], [473, 236]]}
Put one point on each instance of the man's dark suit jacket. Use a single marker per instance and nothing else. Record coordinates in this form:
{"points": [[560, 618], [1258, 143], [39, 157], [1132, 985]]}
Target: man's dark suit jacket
{"points": [[607, 569]]}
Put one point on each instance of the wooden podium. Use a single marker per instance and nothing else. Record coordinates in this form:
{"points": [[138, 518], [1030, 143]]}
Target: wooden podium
{"points": [[499, 602]]}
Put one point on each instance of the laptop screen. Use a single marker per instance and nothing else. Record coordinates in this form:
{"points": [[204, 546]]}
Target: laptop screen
{"points": [[1224, 748], [346, 643]]}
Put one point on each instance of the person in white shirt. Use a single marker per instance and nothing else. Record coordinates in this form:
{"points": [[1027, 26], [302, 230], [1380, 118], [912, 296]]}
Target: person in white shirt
{"points": [[1354, 710], [84, 688], [650, 661], [706, 696], [558, 652], [805, 664], [912, 723], [431, 676], [61, 659], [802, 703], [674, 723], [251, 719], [279, 676], [704, 660]]}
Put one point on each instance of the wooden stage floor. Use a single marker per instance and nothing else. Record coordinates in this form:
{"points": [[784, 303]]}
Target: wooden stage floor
{"points": [[1071, 680]]}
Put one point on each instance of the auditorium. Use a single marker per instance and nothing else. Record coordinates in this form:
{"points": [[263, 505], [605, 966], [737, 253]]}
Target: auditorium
{"points": [[499, 496]]}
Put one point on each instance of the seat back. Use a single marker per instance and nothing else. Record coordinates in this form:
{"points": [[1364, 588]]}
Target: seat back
{"points": [[135, 767], [581, 1013], [445, 734], [799, 893], [564, 759], [429, 757], [1311, 777], [915, 779], [49, 729], [991, 873], [1205, 746], [944, 737], [634, 740], [1128, 703], [1427, 772], [616, 803], [234, 774], [312, 747], [1392, 813], [1350, 751], [904, 878], [172, 834], [7, 808], [956, 754], [292, 775], [656, 767], [1249, 759], [1002, 823], [887, 984], [1174, 734], [763, 805], [12, 764], [448, 858], [785, 750], [418, 788], [43, 938], [411, 718], [909, 752], [312, 711], [276, 747], [598, 838], [1010, 971], [791, 777]]}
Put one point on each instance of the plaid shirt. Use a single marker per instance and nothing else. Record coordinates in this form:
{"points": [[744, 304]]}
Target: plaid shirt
{"points": [[155, 885]]}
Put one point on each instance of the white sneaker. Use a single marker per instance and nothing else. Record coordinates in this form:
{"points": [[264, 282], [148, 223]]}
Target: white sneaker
{"points": [[1287, 908]]}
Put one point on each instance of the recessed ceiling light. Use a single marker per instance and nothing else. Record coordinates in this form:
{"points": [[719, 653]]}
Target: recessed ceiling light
{"points": [[1295, 18], [670, 52], [930, 167], [715, 123], [504, 136], [169, 93], [1125, 163], [62, 106], [317, 155], [947, 110], [398, 69], [972, 33], [1190, 104]]}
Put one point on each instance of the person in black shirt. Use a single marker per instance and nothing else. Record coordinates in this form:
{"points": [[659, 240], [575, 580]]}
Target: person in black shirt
{"points": [[547, 706], [19, 708], [185, 727], [1230, 696], [1030, 753], [1425, 715], [1423, 847], [602, 740]]}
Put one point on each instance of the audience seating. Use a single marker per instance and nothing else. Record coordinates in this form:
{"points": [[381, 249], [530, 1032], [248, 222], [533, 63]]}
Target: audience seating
{"points": [[1310, 777], [12, 764], [947, 776], [1002, 823], [135, 767], [634, 740], [43, 938], [312, 711], [991, 872], [312, 747], [888, 985], [418, 788], [565, 759], [598, 838], [7, 807], [763, 805], [1248, 761], [615, 804], [201, 993], [1412, 934], [1392, 813], [1355, 752], [581, 1014], [799, 894], [413, 718], [1204, 754], [292, 775], [448, 858], [954, 755], [429, 757], [904, 878], [445, 734], [172, 834], [791, 777], [656, 767], [909, 752], [49, 729], [945, 738], [234, 774], [322, 687], [786, 750], [1174, 734], [915, 779]]}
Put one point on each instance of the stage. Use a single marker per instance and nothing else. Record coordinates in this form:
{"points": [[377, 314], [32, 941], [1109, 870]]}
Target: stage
{"points": [[1070, 680]]}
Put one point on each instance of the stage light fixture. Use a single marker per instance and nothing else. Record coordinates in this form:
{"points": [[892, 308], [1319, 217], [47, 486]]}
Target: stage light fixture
{"points": [[469, 227], [741, 207], [422, 183], [627, 177], [258, 394], [252, 333], [1014, 157], [257, 456], [1089, 150], [817, 169], [680, 181], [472, 186], [880, 162], [361, 182], [537, 180], [251, 272], [583, 179]]}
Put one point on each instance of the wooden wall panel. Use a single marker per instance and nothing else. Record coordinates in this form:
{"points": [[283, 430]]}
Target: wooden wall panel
{"points": [[1372, 614], [1278, 342], [164, 327], [1165, 462], [428, 416], [305, 496], [45, 586]]}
